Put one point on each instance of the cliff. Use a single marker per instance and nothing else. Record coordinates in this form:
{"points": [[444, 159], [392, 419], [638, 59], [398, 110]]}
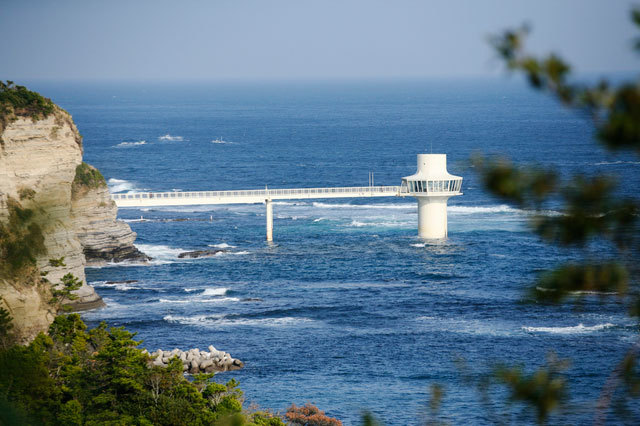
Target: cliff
{"points": [[103, 237], [40, 155]]}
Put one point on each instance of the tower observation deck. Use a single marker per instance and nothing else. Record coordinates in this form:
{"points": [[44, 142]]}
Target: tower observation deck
{"points": [[432, 185]]}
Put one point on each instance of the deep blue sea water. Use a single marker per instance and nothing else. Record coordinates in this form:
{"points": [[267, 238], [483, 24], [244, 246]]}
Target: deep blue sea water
{"points": [[347, 309]]}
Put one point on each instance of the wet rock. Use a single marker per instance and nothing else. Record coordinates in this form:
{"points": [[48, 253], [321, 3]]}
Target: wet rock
{"points": [[195, 254]]}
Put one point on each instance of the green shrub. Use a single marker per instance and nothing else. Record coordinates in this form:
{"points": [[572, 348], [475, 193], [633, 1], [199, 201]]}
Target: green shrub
{"points": [[21, 240], [88, 176]]}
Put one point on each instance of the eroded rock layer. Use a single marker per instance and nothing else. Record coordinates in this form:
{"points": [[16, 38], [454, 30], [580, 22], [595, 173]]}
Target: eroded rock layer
{"points": [[104, 239]]}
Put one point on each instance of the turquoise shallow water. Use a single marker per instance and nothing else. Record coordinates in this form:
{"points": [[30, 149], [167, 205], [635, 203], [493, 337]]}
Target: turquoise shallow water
{"points": [[348, 308]]}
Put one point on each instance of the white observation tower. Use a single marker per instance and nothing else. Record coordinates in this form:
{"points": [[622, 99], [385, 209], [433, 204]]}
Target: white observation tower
{"points": [[432, 185]]}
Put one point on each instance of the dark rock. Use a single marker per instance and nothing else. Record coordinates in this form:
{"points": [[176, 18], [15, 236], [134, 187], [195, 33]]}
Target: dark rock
{"points": [[115, 254], [199, 253]]}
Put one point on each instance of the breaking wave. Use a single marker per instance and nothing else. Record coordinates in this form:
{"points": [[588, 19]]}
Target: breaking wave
{"points": [[222, 321], [170, 138], [364, 206], [221, 291], [198, 300], [578, 329], [614, 163], [120, 185], [161, 254], [222, 245], [129, 144], [221, 142]]}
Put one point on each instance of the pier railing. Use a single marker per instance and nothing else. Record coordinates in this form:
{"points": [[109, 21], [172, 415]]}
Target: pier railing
{"points": [[250, 196]]}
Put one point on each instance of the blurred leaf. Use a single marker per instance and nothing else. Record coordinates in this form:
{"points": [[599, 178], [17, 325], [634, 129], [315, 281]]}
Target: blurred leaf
{"points": [[545, 389], [554, 286]]}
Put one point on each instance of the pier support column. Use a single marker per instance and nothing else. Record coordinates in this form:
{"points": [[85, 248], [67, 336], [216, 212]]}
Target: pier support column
{"points": [[269, 220], [432, 217]]}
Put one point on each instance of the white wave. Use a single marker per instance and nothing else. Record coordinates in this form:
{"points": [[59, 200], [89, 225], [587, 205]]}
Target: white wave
{"points": [[128, 144], [135, 220], [240, 253], [170, 138], [189, 290], [419, 245], [160, 253], [219, 299], [357, 224], [320, 219], [220, 141], [220, 291], [221, 321], [591, 293], [117, 286], [222, 245], [192, 320], [365, 206], [198, 300], [502, 208], [579, 292], [613, 163], [119, 185], [578, 329]]}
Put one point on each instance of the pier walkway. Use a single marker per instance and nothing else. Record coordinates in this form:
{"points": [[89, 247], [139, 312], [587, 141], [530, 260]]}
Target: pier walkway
{"points": [[252, 196]]}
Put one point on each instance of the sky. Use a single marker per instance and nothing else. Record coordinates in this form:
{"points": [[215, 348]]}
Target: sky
{"points": [[300, 39]]}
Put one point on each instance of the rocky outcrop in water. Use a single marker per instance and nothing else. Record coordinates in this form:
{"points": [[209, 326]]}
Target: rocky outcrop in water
{"points": [[196, 361], [195, 254]]}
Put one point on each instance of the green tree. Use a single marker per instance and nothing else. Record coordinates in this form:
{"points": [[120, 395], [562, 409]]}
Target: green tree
{"points": [[93, 377]]}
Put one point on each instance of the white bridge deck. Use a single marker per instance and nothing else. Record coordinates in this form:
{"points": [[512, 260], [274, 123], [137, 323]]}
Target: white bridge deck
{"points": [[147, 199]]}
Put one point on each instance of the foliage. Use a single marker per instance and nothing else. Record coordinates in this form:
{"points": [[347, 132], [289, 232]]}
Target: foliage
{"points": [[88, 176], [26, 194], [6, 325], [21, 240], [309, 415], [68, 283], [74, 375], [592, 213], [56, 263], [20, 101]]}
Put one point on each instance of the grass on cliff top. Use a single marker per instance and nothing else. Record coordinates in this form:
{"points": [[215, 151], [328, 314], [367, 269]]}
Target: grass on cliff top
{"points": [[20, 101], [88, 176]]}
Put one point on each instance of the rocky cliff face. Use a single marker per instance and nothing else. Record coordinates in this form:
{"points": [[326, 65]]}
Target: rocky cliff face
{"points": [[103, 238], [39, 158]]}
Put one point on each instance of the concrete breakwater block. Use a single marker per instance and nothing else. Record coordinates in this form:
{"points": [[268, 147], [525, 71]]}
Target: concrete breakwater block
{"points": [[197, 361]]}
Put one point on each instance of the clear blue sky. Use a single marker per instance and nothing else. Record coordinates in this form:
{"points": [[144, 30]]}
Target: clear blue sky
{"points": [[299, 39]]}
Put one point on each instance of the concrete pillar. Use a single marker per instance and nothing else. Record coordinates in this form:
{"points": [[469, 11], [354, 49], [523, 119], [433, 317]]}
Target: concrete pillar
{"points": [[269, 220], [432, 217]]}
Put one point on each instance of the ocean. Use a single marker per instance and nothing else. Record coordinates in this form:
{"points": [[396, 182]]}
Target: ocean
{"points": [[348, 308]]}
